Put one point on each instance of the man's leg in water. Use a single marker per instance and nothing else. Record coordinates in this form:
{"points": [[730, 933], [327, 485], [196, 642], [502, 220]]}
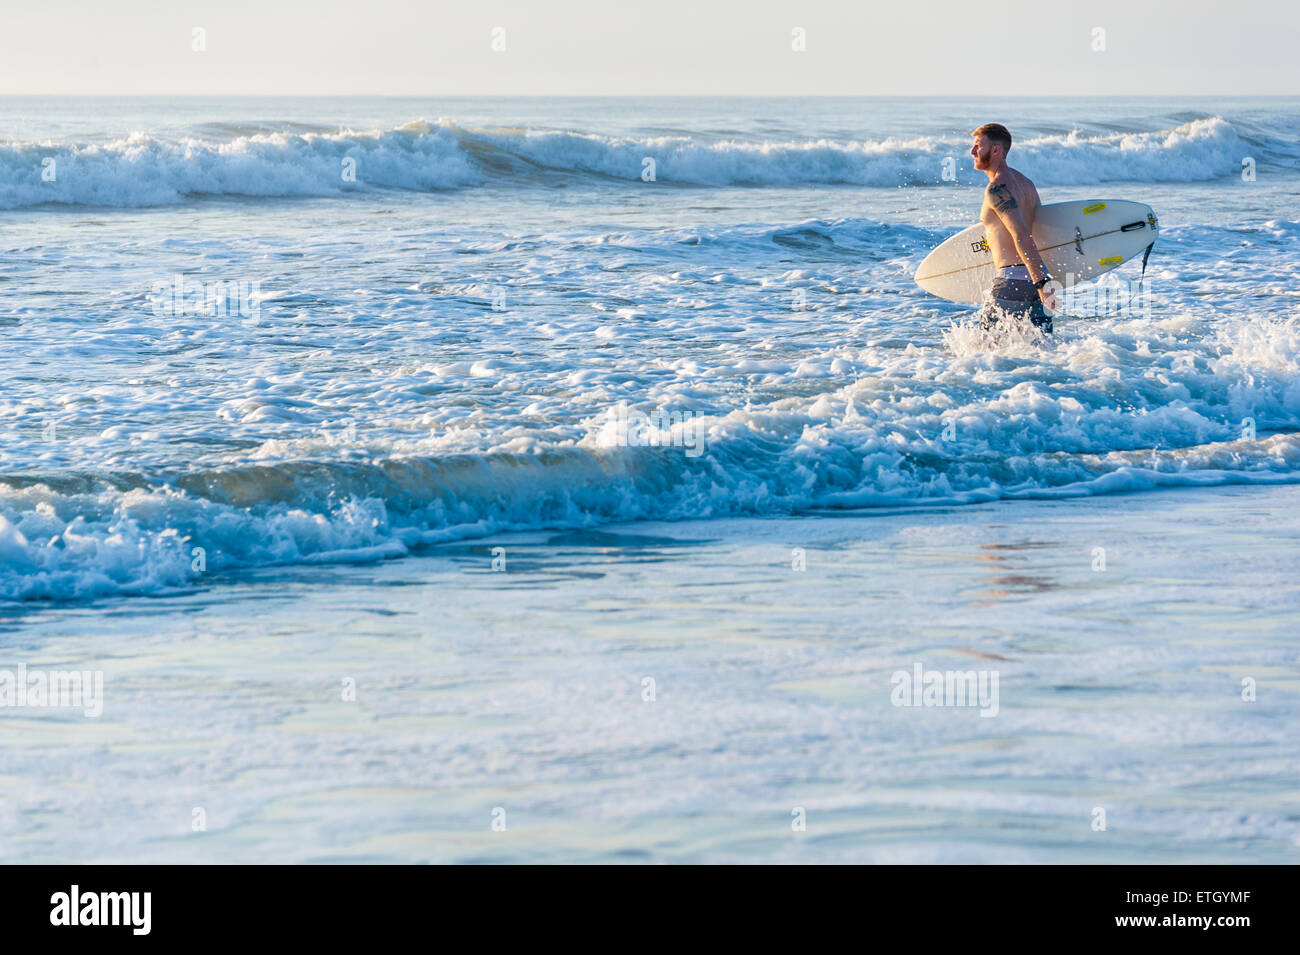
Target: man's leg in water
{"points": [[1015, 298]]}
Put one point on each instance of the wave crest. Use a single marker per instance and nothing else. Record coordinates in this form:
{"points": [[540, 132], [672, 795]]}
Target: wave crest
{"points": [[143, 170]]}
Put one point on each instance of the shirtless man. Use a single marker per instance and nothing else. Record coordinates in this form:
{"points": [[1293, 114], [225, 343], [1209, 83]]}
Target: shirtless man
{"points": [[1020, 288]]}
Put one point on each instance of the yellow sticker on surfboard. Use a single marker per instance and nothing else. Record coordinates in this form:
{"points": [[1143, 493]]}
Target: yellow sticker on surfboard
{"points": [[1095, 207]]}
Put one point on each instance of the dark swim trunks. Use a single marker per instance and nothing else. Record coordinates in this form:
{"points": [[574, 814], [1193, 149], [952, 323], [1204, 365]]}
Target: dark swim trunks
{"points": [[1013, 295]]}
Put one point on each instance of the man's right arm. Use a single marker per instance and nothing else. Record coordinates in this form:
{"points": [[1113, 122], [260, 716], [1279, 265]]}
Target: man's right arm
{"points": [[1004, 204]]}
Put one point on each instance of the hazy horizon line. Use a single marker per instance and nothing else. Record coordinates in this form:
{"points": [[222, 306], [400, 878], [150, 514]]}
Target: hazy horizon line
{"points": [[616, 96]]}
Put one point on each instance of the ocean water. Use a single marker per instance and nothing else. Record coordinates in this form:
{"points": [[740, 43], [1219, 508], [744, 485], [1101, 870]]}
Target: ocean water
{"points": [[280, 365]]}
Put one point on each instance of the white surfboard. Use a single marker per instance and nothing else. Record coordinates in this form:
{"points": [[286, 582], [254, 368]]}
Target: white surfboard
{"points": [[1077, 240]]}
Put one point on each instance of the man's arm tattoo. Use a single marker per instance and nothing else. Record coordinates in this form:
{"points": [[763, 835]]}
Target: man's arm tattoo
{"points": [[1003, 200]]}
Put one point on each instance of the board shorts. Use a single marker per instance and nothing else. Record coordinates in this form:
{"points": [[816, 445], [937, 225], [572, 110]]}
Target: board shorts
{"points": [[1013, 295]]}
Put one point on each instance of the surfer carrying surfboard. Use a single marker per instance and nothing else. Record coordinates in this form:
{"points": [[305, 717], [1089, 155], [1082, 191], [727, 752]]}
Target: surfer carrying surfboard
{"points": [[1020, 284]]}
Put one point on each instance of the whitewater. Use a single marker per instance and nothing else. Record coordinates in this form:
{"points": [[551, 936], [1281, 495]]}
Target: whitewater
{"points": [[144, 169], [431, 347]]}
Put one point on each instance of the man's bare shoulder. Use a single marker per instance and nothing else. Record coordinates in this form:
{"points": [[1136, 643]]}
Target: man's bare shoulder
{"points": [[1024, 181]]}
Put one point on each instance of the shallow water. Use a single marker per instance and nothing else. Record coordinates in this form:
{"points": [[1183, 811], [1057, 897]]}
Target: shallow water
{"points": [[523, 690]]}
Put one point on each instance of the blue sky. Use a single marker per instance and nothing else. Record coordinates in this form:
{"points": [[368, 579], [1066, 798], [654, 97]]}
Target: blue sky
{"points": [[591, 47]]}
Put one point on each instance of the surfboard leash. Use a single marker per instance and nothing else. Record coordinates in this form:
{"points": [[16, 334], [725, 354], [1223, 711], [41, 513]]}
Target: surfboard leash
{"points": [[1145, 255]]}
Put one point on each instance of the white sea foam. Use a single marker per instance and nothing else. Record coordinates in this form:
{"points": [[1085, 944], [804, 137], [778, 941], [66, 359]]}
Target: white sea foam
{"points": [[919, 428]]}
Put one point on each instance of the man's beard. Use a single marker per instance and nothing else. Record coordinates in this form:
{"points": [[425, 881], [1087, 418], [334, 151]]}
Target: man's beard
{"points": [[982, 159]]}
